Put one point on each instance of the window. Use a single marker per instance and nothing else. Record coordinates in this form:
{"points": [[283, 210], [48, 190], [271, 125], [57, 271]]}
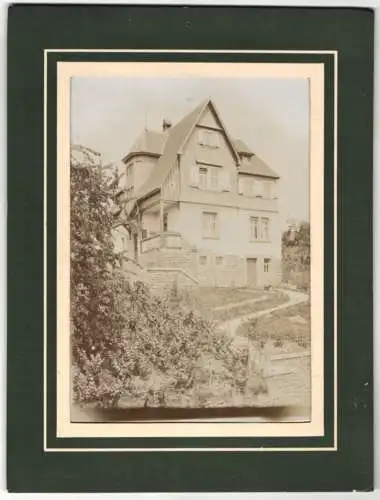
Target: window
{"points": [[213, 179], [259, 228], [266, 265], [129, 181], [203, 260], [144, 234], [254, 228], [209, 138], [165, 222], [203, 182], [267, 189], [265, 229], [219, 260], [258, 189], [209, 178], [241, 185], [255, 187], [210, 225]]}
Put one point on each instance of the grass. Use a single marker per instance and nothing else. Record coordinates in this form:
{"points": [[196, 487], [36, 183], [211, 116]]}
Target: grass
{"points": [[274, 300], [213, 297], [204, 299], [279, 330]]}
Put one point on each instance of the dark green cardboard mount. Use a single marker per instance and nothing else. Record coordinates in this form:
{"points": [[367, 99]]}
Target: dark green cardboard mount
{"points": [[35, 28]]}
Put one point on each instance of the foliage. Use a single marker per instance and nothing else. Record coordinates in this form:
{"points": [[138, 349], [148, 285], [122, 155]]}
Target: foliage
{"points": [[296, 256], [127, 342], [94, 289], [280, 329]]}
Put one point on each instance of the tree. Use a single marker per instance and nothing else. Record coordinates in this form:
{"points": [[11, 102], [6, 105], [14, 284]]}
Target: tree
{"points": [[95, 313], [296, 255]]}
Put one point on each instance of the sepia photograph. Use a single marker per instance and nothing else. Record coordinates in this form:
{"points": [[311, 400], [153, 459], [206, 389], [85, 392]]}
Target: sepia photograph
{"points": [[190, 249]]}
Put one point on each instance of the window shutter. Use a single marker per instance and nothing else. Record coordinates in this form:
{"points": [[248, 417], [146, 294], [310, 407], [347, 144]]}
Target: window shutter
{"points": [[194, 176], [275, 190], [267, 189], [226, 180], [241, 185], [201, 137], [258, 188]]}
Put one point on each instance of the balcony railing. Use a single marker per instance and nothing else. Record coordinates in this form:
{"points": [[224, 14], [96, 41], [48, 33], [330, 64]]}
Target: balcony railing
{"points": [[161, 240]]}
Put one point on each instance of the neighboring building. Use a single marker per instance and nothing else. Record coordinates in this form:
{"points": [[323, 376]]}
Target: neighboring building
{"points": [[203, 202], [292, 226], [82, 155]]}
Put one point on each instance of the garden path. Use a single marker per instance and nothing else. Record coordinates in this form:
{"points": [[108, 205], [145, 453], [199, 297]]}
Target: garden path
{"points": [[231, 305], [233, 324]]}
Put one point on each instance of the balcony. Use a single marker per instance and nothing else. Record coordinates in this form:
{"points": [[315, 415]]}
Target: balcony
{"points": [[161, 240]]}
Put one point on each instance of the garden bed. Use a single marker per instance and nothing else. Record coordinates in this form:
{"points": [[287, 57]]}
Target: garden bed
{"points": [[285, 331]]}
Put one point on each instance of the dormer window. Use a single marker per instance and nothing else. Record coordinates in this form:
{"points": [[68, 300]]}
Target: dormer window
{"points": [[255, 187], [208, 138], [258, 189]]}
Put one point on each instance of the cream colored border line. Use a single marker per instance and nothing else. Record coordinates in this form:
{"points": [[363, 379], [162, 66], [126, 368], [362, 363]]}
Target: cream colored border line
{"points": [[65, 428]]}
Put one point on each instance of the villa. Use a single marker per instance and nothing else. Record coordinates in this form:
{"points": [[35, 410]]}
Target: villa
{"points": [[200, 206]]}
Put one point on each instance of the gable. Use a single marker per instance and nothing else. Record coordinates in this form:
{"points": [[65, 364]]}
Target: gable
{"points": [[209, 119], [177, 140]]}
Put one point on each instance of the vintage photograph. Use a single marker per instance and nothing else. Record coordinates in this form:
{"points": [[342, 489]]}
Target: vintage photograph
{"points": [[190, 250]]}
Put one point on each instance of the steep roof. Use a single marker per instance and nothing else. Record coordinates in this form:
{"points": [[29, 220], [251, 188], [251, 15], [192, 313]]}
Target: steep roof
{"points": [[255, 166], [149, 141], [169, 144], [176, 139], [241, 147]]}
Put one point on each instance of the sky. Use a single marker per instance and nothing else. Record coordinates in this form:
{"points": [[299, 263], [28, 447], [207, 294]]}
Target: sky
{"points": [[270, 115]]}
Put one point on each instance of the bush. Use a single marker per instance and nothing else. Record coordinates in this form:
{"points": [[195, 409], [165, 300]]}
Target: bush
{"points": [[161, 351], [296, 257]]}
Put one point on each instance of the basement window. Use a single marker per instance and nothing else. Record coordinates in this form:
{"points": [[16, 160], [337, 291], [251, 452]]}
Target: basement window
{"points": [[219, 261], [203, 260]]}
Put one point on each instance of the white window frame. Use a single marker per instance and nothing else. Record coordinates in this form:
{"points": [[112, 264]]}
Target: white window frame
{"points": [[258, 188], [254, 226], [210, 229], [266, 225], [266, 265], [261, 222], [209, 177], [267, 190], [203, 177], [255, 188], [129, 175], [208, 138]]}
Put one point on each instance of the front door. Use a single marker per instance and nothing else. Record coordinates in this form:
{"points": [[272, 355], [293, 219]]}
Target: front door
{"points": [[252, 272]]}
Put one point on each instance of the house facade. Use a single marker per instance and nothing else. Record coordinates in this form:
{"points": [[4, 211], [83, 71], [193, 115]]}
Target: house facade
{"points": [[201, 202]]}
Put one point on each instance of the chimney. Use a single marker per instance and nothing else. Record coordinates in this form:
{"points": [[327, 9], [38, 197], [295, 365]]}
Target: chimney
{"points": [[166, 124]]}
